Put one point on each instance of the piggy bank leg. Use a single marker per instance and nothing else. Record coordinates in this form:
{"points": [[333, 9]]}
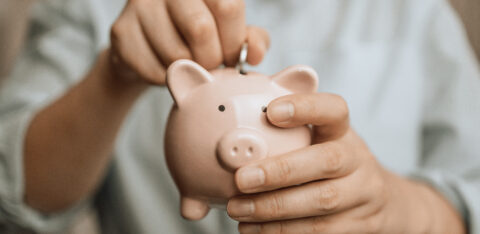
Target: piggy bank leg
{"points": [[193, 209]]}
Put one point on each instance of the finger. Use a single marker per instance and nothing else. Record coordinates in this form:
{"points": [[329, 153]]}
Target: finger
{"points": [[197, 25], [258, 44], [231, 26], [313, 199], [322, 161], [131, 49], [337, 224], [161, 33], [328, 113]]}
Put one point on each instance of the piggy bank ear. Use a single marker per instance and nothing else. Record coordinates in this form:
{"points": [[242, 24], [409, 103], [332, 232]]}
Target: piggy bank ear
{"points": [[297, 79], [183, 76]]}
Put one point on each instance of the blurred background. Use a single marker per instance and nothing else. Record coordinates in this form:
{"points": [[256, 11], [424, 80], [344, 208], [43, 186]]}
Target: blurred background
{"points": [[14, 15], [14, 23]]}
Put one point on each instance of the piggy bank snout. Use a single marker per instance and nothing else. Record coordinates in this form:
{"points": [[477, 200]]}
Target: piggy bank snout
{"points": [[240, 146]]}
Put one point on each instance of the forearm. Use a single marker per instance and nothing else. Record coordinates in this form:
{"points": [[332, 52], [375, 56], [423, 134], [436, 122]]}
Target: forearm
{"points": [[69, 143]]}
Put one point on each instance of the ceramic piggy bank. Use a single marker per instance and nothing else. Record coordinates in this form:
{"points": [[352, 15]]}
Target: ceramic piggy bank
{"points": [[218, 124]]}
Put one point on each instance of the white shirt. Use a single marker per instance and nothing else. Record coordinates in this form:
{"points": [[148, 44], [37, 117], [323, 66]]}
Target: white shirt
{"points": [[404, 66]]}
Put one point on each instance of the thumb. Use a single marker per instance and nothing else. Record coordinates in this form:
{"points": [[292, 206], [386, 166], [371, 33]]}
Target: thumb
{"points": [[327, 113]]}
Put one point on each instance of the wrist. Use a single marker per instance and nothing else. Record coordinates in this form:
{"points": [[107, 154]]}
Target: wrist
{"points": [[406, 209], [444, 218], [115, 84], [418, 208]]}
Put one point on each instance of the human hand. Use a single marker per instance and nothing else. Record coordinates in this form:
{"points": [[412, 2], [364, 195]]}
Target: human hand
{"points": [[151, 34], [334, 186]]}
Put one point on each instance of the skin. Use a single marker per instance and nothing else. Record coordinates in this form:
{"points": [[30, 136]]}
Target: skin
{"points": [[334, 186], [316, 189], [69, 143], [13, 26], [469, 11]]}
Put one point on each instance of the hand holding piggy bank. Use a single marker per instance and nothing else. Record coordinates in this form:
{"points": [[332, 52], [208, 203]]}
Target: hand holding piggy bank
{"points": [[218, 124]]}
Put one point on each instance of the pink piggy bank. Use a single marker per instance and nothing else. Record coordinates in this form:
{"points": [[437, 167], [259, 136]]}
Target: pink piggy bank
{"points": [[218, 124]]}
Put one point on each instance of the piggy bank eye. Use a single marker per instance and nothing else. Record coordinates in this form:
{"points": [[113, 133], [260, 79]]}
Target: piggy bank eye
{"points": [[221, 108], [264, 109]]}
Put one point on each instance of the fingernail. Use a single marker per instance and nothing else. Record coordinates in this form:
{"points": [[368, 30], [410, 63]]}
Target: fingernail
{"points": [[249, 229], [240, 208], [250, 178], [282, 111]]}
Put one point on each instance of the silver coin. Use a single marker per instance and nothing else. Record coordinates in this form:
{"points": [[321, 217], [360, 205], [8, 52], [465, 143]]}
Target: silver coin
{"points": [[242, 61]]}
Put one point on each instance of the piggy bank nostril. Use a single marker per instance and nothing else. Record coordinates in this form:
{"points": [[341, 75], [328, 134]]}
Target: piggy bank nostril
{"points": [[234, 151], [250, 151], [238, 147]]}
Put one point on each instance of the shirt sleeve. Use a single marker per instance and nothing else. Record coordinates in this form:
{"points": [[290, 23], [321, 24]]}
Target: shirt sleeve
{"points": [[58, 51], [451, 115]]}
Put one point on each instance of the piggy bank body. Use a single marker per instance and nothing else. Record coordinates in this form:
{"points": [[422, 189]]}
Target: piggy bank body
{"points": [[218, 124]]}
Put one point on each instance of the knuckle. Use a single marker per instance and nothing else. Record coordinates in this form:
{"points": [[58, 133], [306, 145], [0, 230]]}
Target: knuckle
{"points": [[283, 170], [273, 228], [333, 164], [275, 207], [116, 61], [332, 158], [201, 29], [228, 8], [318, 225], [282, 228], [326, 199], [117, 31]]}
